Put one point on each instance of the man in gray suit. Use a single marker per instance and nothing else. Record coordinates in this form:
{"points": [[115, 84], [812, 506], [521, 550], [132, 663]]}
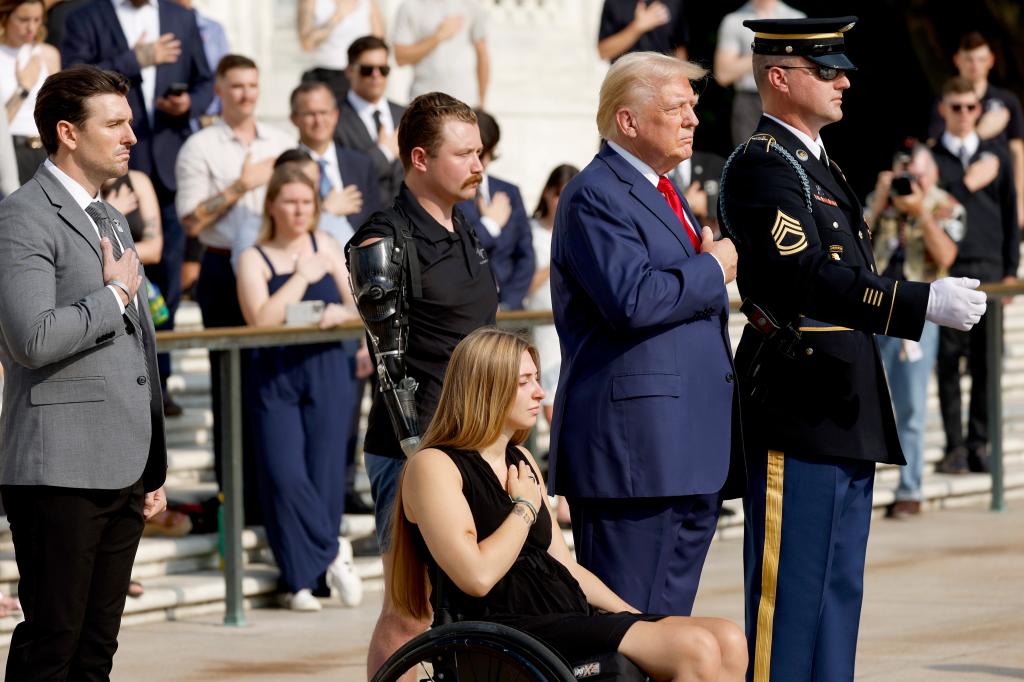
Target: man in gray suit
{"points": [[82, 451]]}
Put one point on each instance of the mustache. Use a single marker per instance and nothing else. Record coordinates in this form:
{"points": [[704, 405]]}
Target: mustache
{"points": [[473, 180]]}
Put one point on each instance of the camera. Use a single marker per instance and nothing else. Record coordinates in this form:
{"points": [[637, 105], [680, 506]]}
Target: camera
{"points": [[902, 185]]}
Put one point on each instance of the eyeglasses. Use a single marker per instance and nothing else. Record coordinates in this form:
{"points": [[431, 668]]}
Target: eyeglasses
{"points": [[957, 107], [315, 114], [366, 70], [825, 73]]}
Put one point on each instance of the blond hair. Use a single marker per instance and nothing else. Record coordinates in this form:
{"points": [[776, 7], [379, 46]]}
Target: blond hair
{"points": [[634, 79], [479, 390], [285, 174]]}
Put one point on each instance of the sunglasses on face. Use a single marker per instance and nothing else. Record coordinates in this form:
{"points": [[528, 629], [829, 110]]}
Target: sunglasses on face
{"points": [[825, 73], [957, 107], [366, 70]]}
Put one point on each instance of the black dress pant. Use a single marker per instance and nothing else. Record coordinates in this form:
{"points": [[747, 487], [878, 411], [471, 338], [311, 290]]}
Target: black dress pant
{"points": [[75, 549], [953, 345]]}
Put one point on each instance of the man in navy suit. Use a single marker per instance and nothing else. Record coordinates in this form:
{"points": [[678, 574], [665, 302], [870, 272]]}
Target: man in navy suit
{"points": [[502, 226], [158, 48], [640, 443], [349, 191]]}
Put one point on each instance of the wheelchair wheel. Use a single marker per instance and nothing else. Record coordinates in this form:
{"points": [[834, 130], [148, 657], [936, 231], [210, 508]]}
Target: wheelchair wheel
{"points": [[470, 650]]}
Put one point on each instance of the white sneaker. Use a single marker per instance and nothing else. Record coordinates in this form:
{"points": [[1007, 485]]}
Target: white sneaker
{"points": [[303, 600], [342, 577]]}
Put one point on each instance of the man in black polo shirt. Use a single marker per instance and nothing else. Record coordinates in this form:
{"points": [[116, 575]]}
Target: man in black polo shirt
{"points": [[642, 26], [439, 144]]}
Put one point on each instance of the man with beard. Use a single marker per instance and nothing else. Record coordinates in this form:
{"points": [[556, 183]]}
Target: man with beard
{"points": [[439, 144]]}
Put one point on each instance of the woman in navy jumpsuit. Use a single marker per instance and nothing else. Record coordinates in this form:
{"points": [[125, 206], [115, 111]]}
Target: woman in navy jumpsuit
{"points": [[300, 395]]}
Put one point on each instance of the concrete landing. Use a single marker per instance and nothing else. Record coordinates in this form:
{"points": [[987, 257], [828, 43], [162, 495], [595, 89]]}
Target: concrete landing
{"points": [[944, 603]]}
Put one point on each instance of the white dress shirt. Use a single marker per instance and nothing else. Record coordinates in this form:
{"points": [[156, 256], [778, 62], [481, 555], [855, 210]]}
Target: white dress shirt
{"points": [[492, 227], [330, 157], [815, 147], [137, 22], [83, 199], [365, 110], [962, 148]]}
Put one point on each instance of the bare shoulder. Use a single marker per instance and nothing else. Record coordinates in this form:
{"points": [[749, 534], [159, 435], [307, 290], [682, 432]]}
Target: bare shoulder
{"points": [[429, 464]]}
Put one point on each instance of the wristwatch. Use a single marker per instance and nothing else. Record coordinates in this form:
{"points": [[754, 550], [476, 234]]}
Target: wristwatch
{"points": [[23, 93]]}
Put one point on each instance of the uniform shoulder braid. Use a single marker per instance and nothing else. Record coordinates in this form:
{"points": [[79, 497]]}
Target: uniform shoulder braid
{"points": [[765, 146]]}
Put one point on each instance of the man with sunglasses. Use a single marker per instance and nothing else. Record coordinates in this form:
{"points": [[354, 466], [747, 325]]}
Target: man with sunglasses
{"points": [[815, 405], [978, 173], [368, 121]]}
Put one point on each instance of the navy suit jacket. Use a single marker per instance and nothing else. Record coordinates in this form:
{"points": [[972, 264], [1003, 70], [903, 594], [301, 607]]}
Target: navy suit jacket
{"points": [[511, 252], [358, 169], [93, 35], [644, 399]]}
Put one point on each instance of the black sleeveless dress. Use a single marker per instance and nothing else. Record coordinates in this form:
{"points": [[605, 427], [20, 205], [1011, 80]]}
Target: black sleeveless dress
{"points": [[538, 595]]}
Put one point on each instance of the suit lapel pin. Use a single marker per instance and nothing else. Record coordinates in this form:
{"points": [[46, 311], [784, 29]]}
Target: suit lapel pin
{"points": [[117, 224], [801, 154]]}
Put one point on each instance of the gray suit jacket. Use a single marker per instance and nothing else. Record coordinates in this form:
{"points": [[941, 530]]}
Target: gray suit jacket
{"points": [[82, 404]]}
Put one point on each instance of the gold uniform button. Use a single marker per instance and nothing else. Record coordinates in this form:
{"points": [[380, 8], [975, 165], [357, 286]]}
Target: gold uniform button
{"points": [[835, 225], [860, 235], [808, 351]]}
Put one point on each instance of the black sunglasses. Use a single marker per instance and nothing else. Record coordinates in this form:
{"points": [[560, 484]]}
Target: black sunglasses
{"points": [[366, 70], [825, 73], [963, 107]]}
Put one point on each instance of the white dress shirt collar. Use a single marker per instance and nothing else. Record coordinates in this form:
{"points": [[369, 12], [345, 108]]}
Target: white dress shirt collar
{"points": [[330, 156], [955, 144], [365, 110], [73, 187], [815, 147], [636, 163]]}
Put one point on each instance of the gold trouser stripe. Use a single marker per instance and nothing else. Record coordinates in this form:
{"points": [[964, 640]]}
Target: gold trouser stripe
{"points": [[892, 305], [769, 566]]}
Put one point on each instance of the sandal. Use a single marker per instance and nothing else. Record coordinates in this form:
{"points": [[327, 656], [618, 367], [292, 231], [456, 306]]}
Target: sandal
{"points": [[168, 524]]}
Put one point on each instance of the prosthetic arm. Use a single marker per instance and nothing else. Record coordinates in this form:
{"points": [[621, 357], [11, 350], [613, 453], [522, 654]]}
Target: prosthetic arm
{"points": [[377, 273]]}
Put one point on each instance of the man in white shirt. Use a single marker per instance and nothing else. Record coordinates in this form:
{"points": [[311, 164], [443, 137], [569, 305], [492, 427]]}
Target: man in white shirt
{"points": [[368, 121], [446, 43], [222, 172]]}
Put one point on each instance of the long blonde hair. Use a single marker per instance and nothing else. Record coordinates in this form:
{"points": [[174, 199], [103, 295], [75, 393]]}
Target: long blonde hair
{"points": [[479, 389], [285, 174]]}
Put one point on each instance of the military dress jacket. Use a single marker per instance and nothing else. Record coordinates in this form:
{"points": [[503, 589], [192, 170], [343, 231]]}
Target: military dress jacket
{"points": [[805, 256]]}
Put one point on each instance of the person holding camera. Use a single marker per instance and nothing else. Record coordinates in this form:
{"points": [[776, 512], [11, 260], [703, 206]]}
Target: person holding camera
{"points": [[916, 227], [296, 274], [979, 174]]}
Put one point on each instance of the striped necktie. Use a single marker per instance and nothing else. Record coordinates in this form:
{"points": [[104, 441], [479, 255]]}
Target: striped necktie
{"points": [[98, 212]]}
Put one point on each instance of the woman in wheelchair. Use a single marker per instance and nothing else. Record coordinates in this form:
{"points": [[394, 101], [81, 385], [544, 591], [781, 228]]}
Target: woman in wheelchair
{"points": [[472, 510]]}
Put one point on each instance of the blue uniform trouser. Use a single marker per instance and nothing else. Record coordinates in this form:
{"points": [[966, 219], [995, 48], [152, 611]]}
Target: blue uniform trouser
{"points": [[806, 533], [908, 384]]}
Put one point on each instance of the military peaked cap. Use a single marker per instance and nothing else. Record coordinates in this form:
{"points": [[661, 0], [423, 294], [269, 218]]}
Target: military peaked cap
{"points": [[819, 40]]}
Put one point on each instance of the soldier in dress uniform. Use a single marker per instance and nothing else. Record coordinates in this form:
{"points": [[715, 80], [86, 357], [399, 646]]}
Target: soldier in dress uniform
{"points": [[816, 408]]}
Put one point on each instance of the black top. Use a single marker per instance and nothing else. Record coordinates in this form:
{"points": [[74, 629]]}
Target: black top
{"points": [[990, 249], [994, 98], [459, 295], [538, 595], [618, 14], [135, 223]]}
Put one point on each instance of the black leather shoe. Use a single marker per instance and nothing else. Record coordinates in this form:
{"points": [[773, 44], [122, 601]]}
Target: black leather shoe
{"points": [[977, 460], [171, 408], [901, 509], [955, 462]]}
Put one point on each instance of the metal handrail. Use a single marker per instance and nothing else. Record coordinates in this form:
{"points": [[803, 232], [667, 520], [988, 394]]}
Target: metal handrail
{"points": [[231, 340]]}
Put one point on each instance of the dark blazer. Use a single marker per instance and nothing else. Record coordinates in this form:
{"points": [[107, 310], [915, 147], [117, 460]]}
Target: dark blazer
{"points": [[805, 255], [82, 403], [93, 35], [352, 134], [358, 169], [511, 252], [644, 400]]}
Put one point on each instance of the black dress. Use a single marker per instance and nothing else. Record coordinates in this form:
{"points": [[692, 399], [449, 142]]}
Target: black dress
{"points": [[538, 595]]}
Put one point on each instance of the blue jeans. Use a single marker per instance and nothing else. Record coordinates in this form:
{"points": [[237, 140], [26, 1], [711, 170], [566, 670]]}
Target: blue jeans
{"points": [[383, 473], [908, 385]]}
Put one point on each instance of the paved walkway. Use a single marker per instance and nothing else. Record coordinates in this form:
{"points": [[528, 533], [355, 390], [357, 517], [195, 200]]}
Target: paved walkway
{"points": [[945, 603]]}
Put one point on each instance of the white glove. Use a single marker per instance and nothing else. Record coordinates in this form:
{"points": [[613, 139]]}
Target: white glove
{"points": [[953, 302]]}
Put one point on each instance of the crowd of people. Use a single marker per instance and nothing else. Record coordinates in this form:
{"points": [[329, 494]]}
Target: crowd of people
{"points": [[261, 226]]}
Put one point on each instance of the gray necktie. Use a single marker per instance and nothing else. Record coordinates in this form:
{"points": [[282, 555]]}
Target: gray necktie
{"points": [[98, 212], [965, 156]]}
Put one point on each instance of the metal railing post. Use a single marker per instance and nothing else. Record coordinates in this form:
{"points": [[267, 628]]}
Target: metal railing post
{"points": [[994, 333], [234, 509]]}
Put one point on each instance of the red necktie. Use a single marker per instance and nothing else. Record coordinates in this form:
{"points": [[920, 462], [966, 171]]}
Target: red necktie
{"points": [[669, 192]]}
